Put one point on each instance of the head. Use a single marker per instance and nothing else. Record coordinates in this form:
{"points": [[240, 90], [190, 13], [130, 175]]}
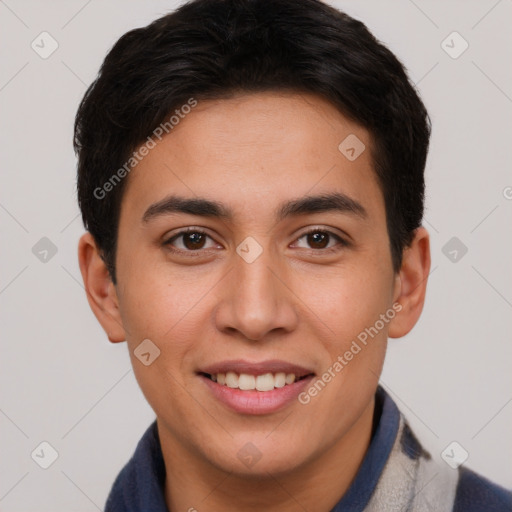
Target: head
{"points": [[250, 175]]}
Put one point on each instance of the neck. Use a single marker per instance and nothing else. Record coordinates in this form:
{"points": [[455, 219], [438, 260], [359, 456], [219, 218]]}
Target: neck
{"points": [[192, 483]]}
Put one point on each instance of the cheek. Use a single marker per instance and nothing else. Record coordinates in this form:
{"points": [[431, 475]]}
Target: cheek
{"points": [[154, 301], [169, 316], [171, 310], [349, 303]]}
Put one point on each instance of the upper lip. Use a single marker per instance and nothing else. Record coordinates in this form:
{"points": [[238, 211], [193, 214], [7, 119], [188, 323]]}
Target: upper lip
{"points": [[255, 368]]}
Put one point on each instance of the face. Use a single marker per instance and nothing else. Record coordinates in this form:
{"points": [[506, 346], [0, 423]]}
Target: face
{"points": [[253, 253]]}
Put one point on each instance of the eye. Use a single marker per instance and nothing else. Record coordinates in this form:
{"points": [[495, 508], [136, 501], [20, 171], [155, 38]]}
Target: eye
{"points": [[194, 240], [191, 239], [320, 239]]}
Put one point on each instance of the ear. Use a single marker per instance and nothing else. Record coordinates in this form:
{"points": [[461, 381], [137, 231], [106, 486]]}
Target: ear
{"points": [[101, 292], [411, 284]]}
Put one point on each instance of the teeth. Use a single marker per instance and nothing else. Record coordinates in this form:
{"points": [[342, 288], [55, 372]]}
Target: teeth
{"points": [[279, 380], [265, 382], [231, 380], [246, 382]]}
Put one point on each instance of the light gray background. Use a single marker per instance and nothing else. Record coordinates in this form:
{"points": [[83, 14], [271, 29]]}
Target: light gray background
{"points": [[64, 383]]}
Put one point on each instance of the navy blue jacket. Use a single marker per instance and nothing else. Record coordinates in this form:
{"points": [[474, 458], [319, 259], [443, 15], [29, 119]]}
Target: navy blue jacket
{"points": [[139, 486]]}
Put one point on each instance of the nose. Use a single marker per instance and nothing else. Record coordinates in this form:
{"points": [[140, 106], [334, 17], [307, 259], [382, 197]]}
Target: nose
{"points": [[257, 302]]}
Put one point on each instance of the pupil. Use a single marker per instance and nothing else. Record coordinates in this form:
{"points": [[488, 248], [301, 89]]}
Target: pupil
{"points": [[194, 240], [318, 240]]}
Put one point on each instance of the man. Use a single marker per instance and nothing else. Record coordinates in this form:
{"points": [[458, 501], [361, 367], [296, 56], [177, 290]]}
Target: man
{"points": [[251, 178]]}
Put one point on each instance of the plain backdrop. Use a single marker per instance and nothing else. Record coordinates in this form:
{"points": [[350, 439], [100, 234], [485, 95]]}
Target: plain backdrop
{"points": [[62, 382]]}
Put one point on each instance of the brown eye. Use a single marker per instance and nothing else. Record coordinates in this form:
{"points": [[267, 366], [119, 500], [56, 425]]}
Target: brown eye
{"points": [[194, 241], [190, 240], [318, 240], [321, 240]]}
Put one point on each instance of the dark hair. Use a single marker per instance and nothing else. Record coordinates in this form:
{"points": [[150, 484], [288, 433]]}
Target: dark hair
{"points": [[212, 49]]}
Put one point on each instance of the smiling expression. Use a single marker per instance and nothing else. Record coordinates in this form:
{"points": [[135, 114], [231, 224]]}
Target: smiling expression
{"points": [[252, 252]]}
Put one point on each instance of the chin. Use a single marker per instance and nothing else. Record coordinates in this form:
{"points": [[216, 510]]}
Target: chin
{"points": [[258, 456]]}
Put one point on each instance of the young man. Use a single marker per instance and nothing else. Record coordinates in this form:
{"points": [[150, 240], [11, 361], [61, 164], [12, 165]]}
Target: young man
{"points": [[251, 178]]}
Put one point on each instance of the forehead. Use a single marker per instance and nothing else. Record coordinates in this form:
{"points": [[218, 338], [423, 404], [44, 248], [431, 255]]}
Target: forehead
{"points": [[254, 151]]}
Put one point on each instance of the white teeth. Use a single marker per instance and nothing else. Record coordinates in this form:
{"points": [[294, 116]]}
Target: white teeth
{"points": [[231, 380], [246, 382], [279, 380], [265, 382]]}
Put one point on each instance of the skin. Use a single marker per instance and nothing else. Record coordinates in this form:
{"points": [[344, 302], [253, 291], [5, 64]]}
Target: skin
{"points": [[297, 301]]}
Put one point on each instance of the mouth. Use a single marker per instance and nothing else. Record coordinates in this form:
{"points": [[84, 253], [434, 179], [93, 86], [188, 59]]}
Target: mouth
{"points": [[255, 388], [247, 382]]}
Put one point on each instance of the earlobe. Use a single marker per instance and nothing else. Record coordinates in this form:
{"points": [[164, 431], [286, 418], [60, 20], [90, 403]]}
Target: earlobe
{"points": [[411, 285], [101, 292]]}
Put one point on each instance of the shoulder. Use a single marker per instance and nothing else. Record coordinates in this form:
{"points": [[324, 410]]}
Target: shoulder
{"points": [[476, 493], [139, 486]]}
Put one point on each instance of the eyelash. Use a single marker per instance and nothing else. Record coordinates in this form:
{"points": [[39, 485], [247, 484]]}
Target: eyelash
{"points": [[341, 242]]}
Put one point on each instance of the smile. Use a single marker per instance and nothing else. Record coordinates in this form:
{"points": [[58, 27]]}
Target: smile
{"points": [[246, 382], [255, 388]]}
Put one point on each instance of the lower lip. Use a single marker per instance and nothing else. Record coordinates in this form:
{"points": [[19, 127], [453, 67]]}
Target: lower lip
{"points": [[257, 402]]}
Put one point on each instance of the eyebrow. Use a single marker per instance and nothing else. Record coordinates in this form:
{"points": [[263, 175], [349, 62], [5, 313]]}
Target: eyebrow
{"points": [[333, 202]]}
